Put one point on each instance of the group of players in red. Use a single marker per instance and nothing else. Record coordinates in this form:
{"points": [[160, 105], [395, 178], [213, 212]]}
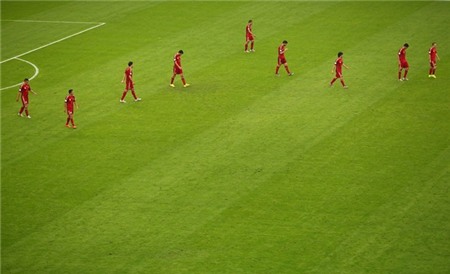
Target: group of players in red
{"points": [[70, 102], [339, 63]]}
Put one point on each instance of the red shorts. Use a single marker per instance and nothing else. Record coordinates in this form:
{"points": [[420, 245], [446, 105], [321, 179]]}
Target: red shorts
{"points": [[177, 70], [338, 74], [433, 63], [249, 38], [129, 85], [281, 60], [69, 111], [24, 100], [404, 64]]}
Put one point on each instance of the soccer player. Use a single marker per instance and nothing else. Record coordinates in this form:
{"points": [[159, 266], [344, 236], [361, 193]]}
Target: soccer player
{"points": [[249, 37], [129, 83], [337, 68], [69, 104], [402, 63], [433, 55], [177, 69], [282, 59], [23, 94]]}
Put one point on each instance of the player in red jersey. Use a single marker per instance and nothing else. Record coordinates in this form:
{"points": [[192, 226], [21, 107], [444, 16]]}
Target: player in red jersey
{"points": [[433, 56], [23, 94], [337, 68], [69, 104], [402, 63], [282, 59], [129, 83], [249, 37], [177, 69]]}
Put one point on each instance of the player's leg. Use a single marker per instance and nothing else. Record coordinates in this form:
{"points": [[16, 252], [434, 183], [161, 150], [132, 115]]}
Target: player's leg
{"points": [[342, 82], [332, 81], [252, 45], [287, 69], [68, 119], [172, 79], [184, 80], [405, 73], [124, 93]]}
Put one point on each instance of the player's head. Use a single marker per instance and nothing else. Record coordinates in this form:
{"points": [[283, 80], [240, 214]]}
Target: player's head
{"points": [[433, 44], [130, 64], [285, 42], [70, 91], [181, 51], [406, 45], [250, 21], [340, 54], [26, 80]]}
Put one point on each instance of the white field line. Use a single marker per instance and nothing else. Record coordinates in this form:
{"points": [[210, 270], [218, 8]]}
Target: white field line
{"points": [[36, 72], [54, 42], [55, 22], [36, 69]]}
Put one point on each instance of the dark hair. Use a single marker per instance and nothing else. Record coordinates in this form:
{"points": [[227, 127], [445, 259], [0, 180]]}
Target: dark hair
{"points": [[250, 21], [434, 43], [285, 42], [181, 51], [130, 63], [26, 79], [70, 90], [406, 45], [340, 54]]}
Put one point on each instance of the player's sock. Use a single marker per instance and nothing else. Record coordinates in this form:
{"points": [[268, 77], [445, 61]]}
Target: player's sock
{"points": [[332, 81], [431, 71], [406, 73], [71, 120], [276, 70], [434, 71], [123, 95], [246, 47], [287, 69], [399, 75], [21, 110], [26, 112], [183, 80], [171, 80], [342, 82], [67, 122], [252, 45], [134, 94]]}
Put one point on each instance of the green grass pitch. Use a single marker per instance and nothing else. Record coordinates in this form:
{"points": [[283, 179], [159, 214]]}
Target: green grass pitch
{"points": [[242, 172]]}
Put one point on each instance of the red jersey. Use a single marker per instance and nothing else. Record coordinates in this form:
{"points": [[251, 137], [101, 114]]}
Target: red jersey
{"points": [[129, 74], [248, 30], [281, 51], [177, 60], [338, 63], [402, 54], [432, 52], [70, 99], [24, 89]]}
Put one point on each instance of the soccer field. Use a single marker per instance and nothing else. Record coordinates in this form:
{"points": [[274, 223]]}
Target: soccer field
{"points": [[241, 172]]}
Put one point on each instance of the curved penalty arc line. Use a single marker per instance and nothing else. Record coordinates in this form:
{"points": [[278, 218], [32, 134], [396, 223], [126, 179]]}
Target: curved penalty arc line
{"points": [[36, 72]]}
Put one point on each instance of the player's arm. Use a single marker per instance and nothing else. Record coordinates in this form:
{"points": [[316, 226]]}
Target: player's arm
{"points": [[75, 103], [33, 92], [437, 56], [176, 64], [333, 70], [65, 106], [124, 77], [345, 66]]}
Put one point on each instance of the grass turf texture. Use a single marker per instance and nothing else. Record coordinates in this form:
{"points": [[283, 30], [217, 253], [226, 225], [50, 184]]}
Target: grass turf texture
{"points": [[242, 172]]}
